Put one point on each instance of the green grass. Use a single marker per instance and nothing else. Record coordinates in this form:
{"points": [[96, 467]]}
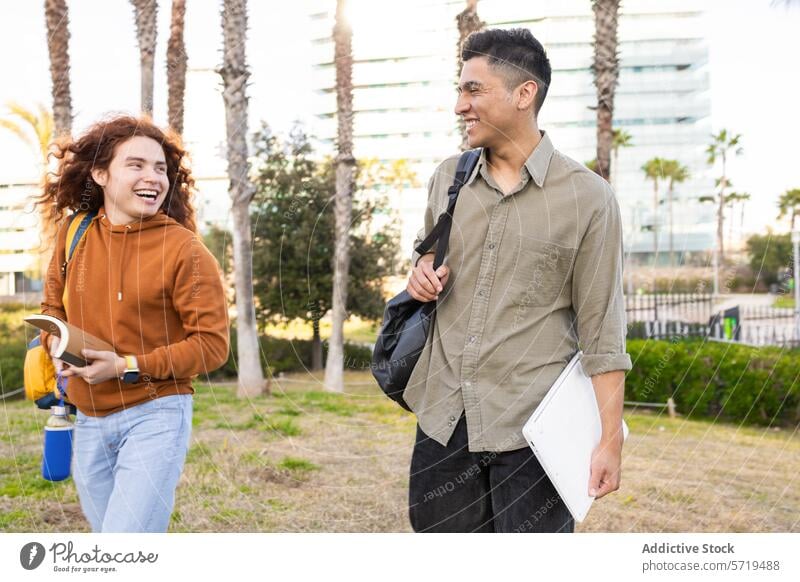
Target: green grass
{"points": [[281, 426], [697, 428], [198, 452], [12, 520], [356, 330], [288, 411], [248, 476], [297, 464], [27, 483]]}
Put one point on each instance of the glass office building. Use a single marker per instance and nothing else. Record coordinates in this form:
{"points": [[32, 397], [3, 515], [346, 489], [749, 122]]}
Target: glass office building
{"points": [[404, 92]]}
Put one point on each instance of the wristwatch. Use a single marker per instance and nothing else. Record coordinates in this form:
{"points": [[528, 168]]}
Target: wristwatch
{"points": [[131, 373]]}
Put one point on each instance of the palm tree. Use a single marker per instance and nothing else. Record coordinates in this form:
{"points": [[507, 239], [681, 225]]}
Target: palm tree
{"points": [[620, 139], [176, 67], [654, 170], [676, 174], [731, 200], [36, 128], [606, 72], [343, 204], [789, 203], [145, 13], [467, 22], [234, 74], [720, 148], [57, 18]]}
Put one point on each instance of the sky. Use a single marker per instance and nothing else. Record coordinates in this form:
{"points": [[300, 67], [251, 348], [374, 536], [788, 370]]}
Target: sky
{"points": [[753, 62]]}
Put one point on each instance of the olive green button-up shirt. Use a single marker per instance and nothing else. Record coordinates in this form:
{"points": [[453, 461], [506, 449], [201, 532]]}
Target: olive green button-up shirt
{"points": [[535, 275]]}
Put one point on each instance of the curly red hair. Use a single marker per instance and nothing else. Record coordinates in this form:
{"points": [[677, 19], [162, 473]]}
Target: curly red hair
{"points": [[71, 187]]}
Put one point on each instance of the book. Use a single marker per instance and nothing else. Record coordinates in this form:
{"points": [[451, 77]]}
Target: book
{"points": [[72, 339], [563, 432]]}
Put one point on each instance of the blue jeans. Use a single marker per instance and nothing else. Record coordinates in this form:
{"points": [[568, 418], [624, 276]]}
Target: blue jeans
{"points": [[126, 465]]}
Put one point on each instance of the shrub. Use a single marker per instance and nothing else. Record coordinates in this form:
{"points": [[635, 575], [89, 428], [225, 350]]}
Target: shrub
{"points": [[706, 379], [292, 355]]}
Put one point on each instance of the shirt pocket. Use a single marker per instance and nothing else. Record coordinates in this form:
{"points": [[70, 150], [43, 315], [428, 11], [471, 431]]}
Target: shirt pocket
{"points": [[542, 271]]}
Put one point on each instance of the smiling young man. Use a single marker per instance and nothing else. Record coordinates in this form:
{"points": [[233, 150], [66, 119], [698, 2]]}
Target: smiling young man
{"points": [[142, 280], [533, 273]]}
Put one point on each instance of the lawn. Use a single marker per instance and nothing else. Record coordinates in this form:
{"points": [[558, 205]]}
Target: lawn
{"points": [[356, 330], [303, 460]]}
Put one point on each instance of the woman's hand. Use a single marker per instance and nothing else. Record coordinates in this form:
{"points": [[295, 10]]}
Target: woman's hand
{"points": [[52, 343], [103, 366]]}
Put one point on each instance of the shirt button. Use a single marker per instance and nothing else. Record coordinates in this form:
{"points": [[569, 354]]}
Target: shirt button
{"points": [[472, 339], [481, 293], [467, 384], [491, 245], [452, 419]]}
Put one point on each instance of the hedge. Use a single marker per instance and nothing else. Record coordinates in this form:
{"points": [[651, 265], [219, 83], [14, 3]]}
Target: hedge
{"points": [[713, 380], [283, 355], [706, 379]]}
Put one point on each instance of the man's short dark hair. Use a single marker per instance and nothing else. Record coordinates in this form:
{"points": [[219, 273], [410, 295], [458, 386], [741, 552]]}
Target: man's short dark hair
{"points": [[516, 53]]}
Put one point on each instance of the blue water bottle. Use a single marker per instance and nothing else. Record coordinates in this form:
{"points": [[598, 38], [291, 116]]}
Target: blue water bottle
{"points": [[58, 433]]}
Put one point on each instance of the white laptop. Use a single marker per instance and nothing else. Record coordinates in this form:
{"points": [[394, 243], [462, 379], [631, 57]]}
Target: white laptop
{"points": [[563, 431]]}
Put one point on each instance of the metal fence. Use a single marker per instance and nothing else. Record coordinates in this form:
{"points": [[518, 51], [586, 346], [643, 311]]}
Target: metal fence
{"points": [[685, 307], [666, 316]]}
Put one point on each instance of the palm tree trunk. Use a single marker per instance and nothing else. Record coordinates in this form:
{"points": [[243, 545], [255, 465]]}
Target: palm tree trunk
{"points": [[671, 245], [176, 67], [343, 205], [234, 77], [741, 219], [57, 21], [57, 18], [606, 73], [732, 218], [721, 213], [720, 229], [467, 22], [145, 12], [655, 222], [613, 170], [316, 347]]}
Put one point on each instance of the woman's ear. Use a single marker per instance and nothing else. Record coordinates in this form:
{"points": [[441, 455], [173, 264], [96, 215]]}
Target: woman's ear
{"points": [[100, 176]]}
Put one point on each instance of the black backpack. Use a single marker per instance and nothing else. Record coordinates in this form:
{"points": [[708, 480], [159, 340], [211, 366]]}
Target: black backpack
{"points": [[407, 321]]}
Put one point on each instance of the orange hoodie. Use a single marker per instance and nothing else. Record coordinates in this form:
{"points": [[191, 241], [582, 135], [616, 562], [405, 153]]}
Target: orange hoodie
{"points": [[151, 289]]}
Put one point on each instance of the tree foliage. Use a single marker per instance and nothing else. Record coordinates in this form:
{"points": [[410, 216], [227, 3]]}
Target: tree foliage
{"points": [[293, 239], [770, 256]]}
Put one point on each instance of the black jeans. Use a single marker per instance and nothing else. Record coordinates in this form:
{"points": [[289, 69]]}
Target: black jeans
{"points": [[454, 490]]}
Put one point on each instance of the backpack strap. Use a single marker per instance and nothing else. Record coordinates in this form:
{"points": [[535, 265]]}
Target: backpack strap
{"points": [[76, 230], [441, 231]]}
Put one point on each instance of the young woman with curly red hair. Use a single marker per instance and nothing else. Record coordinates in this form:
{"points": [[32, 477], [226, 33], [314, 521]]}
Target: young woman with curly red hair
{"points": [[142, 280]]}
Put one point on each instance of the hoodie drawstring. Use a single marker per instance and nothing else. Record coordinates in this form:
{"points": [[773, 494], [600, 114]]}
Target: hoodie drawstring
{"points": [[122, 261]]}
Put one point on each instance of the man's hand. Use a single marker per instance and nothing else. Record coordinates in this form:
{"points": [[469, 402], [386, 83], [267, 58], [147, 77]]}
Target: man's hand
{"points": [[425, 284], [104, 366], [606, 466]]}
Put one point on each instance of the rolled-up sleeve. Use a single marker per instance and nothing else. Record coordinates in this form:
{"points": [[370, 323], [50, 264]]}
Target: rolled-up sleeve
{"points": [[597, 297]]}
